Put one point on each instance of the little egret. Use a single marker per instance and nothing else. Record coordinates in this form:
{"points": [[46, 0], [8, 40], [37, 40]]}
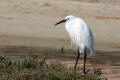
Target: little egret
{"points": [[81, 36]]}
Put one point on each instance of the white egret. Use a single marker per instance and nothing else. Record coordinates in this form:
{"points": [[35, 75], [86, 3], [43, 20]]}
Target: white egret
{"points": [[81, 36]]}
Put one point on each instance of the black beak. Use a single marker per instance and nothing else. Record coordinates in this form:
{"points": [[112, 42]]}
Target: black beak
{"points": [[60, 22]]}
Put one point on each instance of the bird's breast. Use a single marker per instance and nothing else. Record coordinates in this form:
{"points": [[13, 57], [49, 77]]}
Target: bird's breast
{"points": [[77, 32]]}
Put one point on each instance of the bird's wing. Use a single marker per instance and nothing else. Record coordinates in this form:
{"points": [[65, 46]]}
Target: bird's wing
{"points": [[83, 36]]}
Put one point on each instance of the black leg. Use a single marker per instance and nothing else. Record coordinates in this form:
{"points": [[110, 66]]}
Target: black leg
{"points": [[77, 59], [85, 56]]}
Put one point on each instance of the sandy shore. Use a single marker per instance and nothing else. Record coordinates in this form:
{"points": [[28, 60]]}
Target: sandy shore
{"points": [[30, 23]]}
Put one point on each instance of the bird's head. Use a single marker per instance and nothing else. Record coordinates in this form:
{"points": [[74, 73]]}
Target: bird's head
{"points": [[67, 18]]}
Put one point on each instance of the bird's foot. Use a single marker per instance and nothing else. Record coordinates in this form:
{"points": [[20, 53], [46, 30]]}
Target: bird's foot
{"points": [[83, 73]]}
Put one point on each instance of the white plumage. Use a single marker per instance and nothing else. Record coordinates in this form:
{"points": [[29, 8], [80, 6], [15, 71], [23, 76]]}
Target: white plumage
{"points": [[80, 34]]}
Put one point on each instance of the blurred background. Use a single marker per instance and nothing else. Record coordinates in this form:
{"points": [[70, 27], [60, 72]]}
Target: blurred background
{"points": [[27, 27]]}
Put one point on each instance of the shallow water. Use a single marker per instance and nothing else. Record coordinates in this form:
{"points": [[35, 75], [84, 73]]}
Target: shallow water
{"points": [[107, 61]]}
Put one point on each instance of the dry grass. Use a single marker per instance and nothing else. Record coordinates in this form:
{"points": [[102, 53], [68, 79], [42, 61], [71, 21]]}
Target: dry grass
{"points": [[29, 68], [107, 17]]}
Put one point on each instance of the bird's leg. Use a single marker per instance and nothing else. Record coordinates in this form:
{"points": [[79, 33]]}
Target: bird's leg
{"points": [[77, 59], [85, 56]]}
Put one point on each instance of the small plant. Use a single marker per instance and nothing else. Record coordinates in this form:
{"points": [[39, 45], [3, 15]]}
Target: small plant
{"points": [[29, 68], [96, 71]]}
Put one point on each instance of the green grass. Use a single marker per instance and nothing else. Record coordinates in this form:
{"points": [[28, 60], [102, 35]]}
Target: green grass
{"points": [[29, 68]]}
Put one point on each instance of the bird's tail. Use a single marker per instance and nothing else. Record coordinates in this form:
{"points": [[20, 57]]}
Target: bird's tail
{"points": [[92, 52]]}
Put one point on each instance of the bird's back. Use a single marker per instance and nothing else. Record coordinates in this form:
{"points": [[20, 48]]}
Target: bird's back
{"points": [[80, 34]]}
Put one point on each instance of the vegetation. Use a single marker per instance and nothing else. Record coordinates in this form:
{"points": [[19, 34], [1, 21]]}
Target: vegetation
{"points": [[30, 68]]}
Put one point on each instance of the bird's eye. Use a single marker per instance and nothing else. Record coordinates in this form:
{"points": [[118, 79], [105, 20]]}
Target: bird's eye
{"points": [[67, 18]]}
